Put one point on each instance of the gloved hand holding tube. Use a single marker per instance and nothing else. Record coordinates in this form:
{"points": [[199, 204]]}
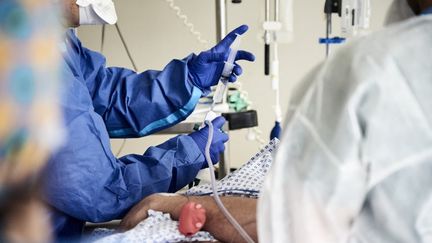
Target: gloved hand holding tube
{"points": [[219, 138], [206, 69]]}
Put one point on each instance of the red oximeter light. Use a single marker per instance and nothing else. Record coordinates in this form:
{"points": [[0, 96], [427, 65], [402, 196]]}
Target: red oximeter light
{"points": [[192, 218]]}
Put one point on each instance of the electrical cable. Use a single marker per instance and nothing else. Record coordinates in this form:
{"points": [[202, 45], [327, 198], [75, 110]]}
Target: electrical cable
{"points": [[216, 197], [186, 22], [126, 48]]}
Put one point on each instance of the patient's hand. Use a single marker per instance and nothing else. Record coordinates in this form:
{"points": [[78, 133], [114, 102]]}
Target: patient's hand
{"points": [[243, 209], [163, 202]]}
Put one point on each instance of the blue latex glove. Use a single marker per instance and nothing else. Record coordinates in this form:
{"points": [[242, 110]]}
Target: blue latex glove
{"points": [[219, 138], [205, 70]]}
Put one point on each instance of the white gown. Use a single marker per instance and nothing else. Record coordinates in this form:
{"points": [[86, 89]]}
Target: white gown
{"points": [[355, 161]]}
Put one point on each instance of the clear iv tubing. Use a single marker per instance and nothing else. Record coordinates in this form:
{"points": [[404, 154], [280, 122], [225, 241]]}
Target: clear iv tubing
{"points": [[216, 197]]}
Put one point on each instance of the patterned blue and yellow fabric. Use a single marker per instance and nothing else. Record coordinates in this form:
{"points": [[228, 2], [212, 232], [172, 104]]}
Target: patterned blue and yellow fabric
{"points": [[30, 127]]}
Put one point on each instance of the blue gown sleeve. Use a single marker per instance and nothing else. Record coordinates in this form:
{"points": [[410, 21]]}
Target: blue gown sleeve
{"points": [[168, 168], [102, 192], [137, 104], [84, 180]]}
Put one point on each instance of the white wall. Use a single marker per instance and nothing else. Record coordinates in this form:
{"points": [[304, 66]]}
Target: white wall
{"points": [[155, 36]]}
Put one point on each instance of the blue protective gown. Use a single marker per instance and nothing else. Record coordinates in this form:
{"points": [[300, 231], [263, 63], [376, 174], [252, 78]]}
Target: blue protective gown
{"points": [[84, 181]]}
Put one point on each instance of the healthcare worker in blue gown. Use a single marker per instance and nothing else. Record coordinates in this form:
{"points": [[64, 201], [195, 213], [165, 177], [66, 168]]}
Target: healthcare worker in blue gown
{"points": [[84, 181]]}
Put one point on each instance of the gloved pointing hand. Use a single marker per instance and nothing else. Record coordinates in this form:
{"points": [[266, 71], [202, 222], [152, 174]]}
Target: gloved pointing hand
{"points": [[219, 138], [205, 70]]}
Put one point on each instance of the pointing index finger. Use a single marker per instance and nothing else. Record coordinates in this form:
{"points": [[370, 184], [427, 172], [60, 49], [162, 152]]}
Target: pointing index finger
{"points": [[229, 39]]}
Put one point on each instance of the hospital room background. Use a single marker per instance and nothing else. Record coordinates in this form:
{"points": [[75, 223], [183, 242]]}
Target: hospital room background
{"points": [[154, 34]]}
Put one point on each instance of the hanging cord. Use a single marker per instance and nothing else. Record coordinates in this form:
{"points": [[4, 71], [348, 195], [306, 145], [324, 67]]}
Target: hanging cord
{"points": [[126, 48], [188, 24], [216, 197], [102, 39]]}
